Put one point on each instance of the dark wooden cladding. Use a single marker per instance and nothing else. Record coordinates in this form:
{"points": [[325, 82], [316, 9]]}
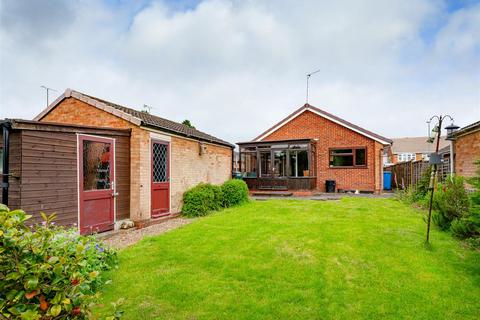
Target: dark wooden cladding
{"points": [[281, 183], [15, 169], [43, 164], [122, 173]]}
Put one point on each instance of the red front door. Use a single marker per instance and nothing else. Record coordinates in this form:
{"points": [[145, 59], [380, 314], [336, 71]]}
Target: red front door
{"points": [[96, 183], [160, 178]]}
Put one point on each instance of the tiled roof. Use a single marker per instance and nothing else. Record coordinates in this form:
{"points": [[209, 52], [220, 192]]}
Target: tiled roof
{"points": [[329, 116], [415, 145], [139, 118]]}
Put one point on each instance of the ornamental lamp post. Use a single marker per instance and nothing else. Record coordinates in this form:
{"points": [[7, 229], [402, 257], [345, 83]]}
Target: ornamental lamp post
{"points": [[450, 131], [436, 160]]}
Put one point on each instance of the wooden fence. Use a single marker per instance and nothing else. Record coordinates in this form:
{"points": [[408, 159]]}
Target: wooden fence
{"points": [[405, 174]]}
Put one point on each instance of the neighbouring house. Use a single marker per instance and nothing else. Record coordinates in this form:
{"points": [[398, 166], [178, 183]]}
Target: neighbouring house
{"points": [[467, 149], [103, 162], [411, 148], [309, 147]]}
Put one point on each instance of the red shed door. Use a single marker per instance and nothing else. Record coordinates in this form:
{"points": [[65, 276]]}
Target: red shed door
{"points": [[96, 184], [160, 178]]}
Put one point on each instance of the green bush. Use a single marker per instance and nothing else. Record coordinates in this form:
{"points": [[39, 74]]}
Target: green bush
{"points": [[423, 186], [450, 201], [201, 199], [418, 192], [468, 227], [234, 192], [48, 272]]}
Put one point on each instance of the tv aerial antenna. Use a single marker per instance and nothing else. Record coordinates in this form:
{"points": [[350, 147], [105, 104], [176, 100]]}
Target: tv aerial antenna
{"points": [[308, 78], [47, 89], [147, 108]]}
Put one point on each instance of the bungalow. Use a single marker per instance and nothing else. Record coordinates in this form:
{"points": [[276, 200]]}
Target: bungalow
{"points": [[96, 163], [311, 147]]}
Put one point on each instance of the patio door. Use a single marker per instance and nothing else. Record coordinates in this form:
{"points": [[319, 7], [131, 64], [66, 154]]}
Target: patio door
{"points": [[96, 183], [160, 202]]}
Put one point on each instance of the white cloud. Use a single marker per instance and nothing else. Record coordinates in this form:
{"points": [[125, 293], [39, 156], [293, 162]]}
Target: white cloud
{"points": [[236, 67]]}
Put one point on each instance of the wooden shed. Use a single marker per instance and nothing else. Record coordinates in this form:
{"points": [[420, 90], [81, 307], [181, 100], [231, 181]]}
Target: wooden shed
{"points": [[42, 163]]}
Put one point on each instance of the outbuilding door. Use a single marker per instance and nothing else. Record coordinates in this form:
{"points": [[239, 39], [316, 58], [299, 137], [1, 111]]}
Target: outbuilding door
{"points": [[96, 183], [160, 178]]}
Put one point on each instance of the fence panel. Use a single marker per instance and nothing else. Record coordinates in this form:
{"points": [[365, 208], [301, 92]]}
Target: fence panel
{"points": [[405, 174]]}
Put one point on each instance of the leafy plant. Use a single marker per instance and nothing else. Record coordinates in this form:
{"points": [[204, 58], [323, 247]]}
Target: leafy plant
{"points": [[235, 192], [468, 227], [48, 272], [450, 201], [201, 199], [188, 123], [423, 186]]}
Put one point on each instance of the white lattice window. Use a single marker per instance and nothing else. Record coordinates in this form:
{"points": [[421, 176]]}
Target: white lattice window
{"points": [[405, 156]]}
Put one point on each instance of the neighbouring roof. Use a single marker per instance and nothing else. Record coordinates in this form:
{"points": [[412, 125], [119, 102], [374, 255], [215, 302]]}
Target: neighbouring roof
{"points": [[444, 150], [471, 127], [136, 117], [415, 145], [328, 116]]}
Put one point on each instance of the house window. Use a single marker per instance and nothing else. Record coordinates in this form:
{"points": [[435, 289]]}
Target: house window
{"points": [[279, 163], [348, 157], [298, 163], [248, 162], [265, 162], [405, 156]]}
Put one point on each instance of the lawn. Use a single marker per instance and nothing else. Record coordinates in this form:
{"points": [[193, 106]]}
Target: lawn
{"points": [[297, 259]]}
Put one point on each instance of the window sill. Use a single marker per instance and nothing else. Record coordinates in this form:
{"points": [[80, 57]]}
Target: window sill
{"points": [[348, 167]]}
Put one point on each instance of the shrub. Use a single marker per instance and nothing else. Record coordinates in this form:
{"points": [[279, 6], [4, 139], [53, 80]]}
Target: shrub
{"points": [[201, 199], [48, 272], [423, 186], [234, 192], [450, 201], [468, 227], [418, 192]]}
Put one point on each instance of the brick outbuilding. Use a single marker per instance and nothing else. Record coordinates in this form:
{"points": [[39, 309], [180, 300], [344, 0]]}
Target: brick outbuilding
{"points": [[164, 158], [467, 150], [309, 147]]}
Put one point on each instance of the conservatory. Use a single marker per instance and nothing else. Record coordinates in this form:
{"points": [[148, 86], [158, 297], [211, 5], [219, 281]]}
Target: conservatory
{"points": [[278, 165]]}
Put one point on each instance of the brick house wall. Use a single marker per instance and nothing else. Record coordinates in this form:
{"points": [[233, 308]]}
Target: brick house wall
{"points": [[187, 168], [467, 151], [309, 125]]}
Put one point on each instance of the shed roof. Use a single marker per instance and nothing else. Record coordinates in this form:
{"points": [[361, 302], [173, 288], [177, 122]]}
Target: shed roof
{"points": [[415, 145], [137, 117], [21, 124]]}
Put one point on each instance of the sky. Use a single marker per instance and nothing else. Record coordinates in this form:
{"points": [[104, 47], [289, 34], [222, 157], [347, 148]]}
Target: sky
{"points": [[235, 68]]}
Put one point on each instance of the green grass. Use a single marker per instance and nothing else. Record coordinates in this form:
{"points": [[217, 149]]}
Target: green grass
{"points": [[295, 259]]}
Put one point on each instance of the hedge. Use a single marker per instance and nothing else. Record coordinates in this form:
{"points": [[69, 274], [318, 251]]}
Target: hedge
{"points": [[201, 199], [205, 198], [235, 192]]}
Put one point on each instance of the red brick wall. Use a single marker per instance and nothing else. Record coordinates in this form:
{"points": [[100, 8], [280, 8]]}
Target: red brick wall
{"points": [[187, 166], [309, 125], [467, 151]]}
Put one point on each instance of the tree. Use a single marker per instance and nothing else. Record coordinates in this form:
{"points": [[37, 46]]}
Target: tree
{"points": [[188, 123]]}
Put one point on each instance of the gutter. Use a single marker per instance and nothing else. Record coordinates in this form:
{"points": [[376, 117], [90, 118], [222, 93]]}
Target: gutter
{"points": [[6, 127]]}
